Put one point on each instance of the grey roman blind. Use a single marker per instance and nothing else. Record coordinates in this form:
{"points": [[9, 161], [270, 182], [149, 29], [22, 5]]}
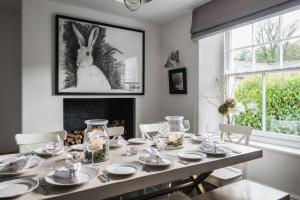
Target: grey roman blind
{"points": [[220, 15]]}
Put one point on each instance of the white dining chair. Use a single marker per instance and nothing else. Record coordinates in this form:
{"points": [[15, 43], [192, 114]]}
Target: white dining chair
{"points": [[147, 130], [30, 141], [232, 134], [114, 132]]}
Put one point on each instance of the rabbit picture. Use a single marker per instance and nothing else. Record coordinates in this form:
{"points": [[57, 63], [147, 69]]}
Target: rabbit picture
{"points": [[89, 76]]}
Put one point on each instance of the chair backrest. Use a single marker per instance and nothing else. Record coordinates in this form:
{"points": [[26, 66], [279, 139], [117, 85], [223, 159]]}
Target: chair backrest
{"points": [[31, 141], [235, 134], [38, 138], [148, 128], [115, 131]]}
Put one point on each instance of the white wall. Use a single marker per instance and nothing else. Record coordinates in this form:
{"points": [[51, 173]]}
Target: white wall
{"points": [[10, 77], [41, 110], [278, 170], [176, 36]]}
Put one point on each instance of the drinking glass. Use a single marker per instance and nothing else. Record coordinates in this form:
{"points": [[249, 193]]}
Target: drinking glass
{"points": [[53, 147], [211, 130], [186, 125]]}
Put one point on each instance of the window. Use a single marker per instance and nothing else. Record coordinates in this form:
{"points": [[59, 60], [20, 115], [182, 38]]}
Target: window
{"points": [[262, 62]]}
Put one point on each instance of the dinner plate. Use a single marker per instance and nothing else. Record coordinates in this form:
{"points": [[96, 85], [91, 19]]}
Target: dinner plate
{"points": [[84, 175], [137, 140], [191, 155], [17, 187], [42, 152], [219, 151], [123, 169], [168, 159], [12, 172], [199, 138]]}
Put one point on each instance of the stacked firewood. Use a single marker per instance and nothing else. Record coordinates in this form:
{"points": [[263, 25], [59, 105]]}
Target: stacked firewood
{"points": [[74, 137]]}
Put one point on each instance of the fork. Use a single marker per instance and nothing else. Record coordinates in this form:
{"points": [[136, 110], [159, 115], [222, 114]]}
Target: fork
{"points": [[184, 162]]}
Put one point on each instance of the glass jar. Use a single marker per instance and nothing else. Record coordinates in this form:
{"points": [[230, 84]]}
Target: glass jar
{"points": [[175, 132], [96, 133]]}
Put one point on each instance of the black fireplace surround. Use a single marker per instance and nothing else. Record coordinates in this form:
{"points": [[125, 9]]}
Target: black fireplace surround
{"points": [[115, 110]]}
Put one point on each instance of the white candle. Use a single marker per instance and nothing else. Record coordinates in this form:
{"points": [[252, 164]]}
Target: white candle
{"points": [[97, 143], [173, 137]]}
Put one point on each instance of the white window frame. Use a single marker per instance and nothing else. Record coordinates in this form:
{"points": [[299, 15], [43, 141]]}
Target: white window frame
{"points": [[262, 135]]}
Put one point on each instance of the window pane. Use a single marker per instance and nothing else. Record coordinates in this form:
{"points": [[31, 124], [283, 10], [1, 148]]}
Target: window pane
{"points": [[266, 31], [291, 24], [267, 56], [291, 53], [248, 91], [242, 60], [283, 97], [241, 37]]}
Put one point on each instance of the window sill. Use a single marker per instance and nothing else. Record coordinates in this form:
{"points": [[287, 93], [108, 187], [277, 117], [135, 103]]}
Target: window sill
{"points": [[276, 148]]}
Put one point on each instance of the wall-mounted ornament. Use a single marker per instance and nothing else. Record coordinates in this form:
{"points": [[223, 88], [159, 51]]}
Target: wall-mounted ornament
{"points": [[173, 60]]}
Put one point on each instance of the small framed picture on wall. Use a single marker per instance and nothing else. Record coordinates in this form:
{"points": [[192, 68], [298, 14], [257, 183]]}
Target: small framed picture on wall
{"points": [[177, 81]]}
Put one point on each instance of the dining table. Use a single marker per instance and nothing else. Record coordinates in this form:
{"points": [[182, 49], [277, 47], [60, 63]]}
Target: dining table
{"points": [[118, 185]]}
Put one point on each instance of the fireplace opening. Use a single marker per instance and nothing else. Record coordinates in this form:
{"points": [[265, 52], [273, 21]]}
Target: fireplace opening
{"points": [[118, 111]]}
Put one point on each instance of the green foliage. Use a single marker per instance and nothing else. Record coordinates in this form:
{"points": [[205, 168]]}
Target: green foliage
{"points": [[283, 102]]}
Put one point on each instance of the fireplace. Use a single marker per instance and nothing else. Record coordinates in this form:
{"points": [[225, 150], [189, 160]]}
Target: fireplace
{"points": [[118, 111]]}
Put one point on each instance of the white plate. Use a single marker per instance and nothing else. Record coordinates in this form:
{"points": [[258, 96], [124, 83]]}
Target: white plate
{"points": [[42, 152], [191, 155], [199, 138], [123, 169], [167, 158], [84, 175], [137, 140], [14, 173], [220, 151], [17, 187]]}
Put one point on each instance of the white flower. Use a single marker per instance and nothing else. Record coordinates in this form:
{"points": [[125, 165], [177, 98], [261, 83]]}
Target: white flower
{"points": [[239, 108]]}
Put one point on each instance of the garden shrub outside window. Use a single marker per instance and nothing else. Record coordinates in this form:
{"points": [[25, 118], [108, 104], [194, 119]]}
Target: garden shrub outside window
{"points": [[262, 63]]}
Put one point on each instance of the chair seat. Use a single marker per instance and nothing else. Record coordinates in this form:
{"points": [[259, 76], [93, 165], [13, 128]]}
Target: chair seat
{"points": [[244, 190], [224, 176]]}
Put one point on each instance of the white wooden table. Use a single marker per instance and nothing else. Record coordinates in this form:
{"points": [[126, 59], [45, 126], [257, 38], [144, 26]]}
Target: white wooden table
{"points": [[95, 190]]}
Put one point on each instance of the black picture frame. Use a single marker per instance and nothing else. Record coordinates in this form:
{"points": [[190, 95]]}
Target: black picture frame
{"points": [[58, 61], [177, 81]]}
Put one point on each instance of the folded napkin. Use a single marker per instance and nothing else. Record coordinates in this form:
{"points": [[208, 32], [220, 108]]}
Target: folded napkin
{"points": [[212, 147], [69, 171], [119, 141], [152, 155], [20, 163]]}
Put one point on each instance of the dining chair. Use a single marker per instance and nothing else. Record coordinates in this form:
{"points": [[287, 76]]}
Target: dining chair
{"points": [[232, 134], [114, 132], [30, 141], [147, 130]]}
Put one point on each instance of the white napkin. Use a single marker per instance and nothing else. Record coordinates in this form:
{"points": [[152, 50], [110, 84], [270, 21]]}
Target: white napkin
{"points": [[119, 141], [152, 156], [213, 148], [69, 171], [20, 163]]}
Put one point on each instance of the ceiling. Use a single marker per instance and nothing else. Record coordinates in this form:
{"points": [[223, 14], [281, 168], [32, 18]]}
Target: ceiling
{"points": [[156, 11]]}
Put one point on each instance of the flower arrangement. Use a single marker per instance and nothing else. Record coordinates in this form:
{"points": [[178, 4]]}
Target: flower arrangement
{"points": [[230, 108]]}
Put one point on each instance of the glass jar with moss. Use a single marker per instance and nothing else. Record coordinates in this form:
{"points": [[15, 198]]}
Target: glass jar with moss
{"points": [[175, 132], [96, 141]]}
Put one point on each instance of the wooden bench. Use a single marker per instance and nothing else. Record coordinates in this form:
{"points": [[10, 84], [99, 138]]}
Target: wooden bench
{"points": [[244, 190]]}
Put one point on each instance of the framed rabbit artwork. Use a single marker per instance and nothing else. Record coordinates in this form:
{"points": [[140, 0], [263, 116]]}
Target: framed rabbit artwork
{"points": [[98, 58]]}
